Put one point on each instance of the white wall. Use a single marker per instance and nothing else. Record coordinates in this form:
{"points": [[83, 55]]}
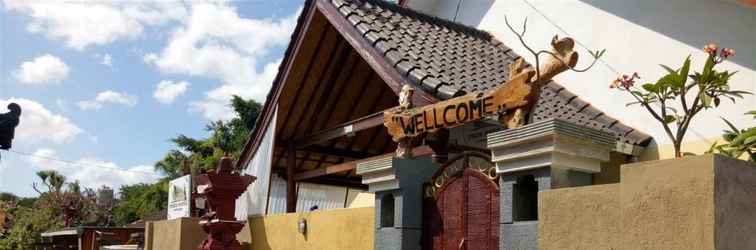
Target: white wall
{"points": [[638, 35], [326, 197], [254, 200]]}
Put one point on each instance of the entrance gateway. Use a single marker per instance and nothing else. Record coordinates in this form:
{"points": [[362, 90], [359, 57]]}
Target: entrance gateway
{"points": [[461, 207]]}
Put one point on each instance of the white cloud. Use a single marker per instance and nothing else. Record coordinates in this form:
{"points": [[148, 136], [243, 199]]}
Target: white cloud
{"points": [[92, 172], [42, 70], [150, 57], [216, 43], [216, 105], [106, 60], [167, 91], [92, 22], [89, 105], [39, 125], [108, 96]]}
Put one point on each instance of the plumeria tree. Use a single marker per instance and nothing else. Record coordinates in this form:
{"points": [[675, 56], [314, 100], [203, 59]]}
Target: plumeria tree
{"points": [[677, 97]]}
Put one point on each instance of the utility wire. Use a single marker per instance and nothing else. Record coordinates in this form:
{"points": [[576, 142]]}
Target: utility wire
{"points": [[80, 163]]}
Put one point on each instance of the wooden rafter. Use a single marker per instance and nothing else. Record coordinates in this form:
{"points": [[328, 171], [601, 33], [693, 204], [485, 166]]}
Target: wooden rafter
{"points": [[352, 109], [366, 122], [334, 101], [302, 84], [372, 56], [338, 168], [335, 70]]}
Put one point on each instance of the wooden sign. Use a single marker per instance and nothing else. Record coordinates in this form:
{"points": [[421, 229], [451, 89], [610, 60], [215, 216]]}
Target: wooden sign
{"points": [[509, 101], [458, 111]]}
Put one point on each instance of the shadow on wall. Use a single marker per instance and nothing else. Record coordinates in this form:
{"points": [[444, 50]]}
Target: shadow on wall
{"points": [[471, 12], [467, 12], [693, 22]]}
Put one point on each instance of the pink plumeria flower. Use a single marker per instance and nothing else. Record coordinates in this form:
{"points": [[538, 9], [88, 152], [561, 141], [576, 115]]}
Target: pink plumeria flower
{"points": [[625, 81], [711, 49], [727, 52]]}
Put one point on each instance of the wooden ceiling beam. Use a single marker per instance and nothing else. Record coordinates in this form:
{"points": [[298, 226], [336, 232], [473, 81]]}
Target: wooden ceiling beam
{"points": [[352, 182], [350, 127], [329, 151], [334, 71], [299, 158], [282, 128], [338, 168], [352, 108]]}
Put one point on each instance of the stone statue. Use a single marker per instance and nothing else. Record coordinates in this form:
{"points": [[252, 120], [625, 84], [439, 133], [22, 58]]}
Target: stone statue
{"points": [[404, 148], [405, 97], [8, 123]]}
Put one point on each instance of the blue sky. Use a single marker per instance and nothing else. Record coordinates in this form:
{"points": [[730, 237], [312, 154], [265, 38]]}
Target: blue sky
{"points": [[105, 84]]}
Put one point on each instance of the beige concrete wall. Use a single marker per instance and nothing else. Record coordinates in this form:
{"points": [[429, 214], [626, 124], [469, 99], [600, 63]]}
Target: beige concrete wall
{"points": [[668, 204], [333, 229], [701, 202], [610, 171], [360, 198], [667, 151], [735, 199], [336, 229], [176, 234], [579, 218]]}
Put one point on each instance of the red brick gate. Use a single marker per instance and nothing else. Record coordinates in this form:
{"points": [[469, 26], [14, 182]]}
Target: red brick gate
{"points": [[461, 209]]}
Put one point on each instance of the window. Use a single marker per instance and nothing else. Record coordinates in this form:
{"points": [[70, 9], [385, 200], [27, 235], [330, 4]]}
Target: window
{"points": [[387, 210], [525, 200]]}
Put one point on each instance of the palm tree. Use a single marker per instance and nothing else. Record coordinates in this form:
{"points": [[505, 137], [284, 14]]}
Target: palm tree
{"points": [[52, 179]]}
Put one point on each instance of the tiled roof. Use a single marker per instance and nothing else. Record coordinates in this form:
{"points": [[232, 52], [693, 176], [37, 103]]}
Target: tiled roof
{"points": [[441, 57], [448, 59]]}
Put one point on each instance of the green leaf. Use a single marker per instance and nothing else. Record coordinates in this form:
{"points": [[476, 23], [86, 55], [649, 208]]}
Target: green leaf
{"points": [[672, 109], [745, 135], [666, 81], [683, 76], [752, 112], [750, 140], [632, 103], [650, 87], [705, 100], [708, 68], [734, 129], [669, 70], [670, 119]]}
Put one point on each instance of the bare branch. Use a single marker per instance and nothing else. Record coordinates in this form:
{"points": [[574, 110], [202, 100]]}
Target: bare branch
{"points": [[521, 36], [537, 55]]}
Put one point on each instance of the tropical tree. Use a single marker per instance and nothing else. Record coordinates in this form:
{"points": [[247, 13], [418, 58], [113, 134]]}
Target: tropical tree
{"points": [[668, 100], [140, 200], [226, 138]]}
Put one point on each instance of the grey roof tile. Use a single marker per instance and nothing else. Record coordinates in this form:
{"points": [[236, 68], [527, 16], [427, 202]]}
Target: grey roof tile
{"points": [[448, 59]]}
